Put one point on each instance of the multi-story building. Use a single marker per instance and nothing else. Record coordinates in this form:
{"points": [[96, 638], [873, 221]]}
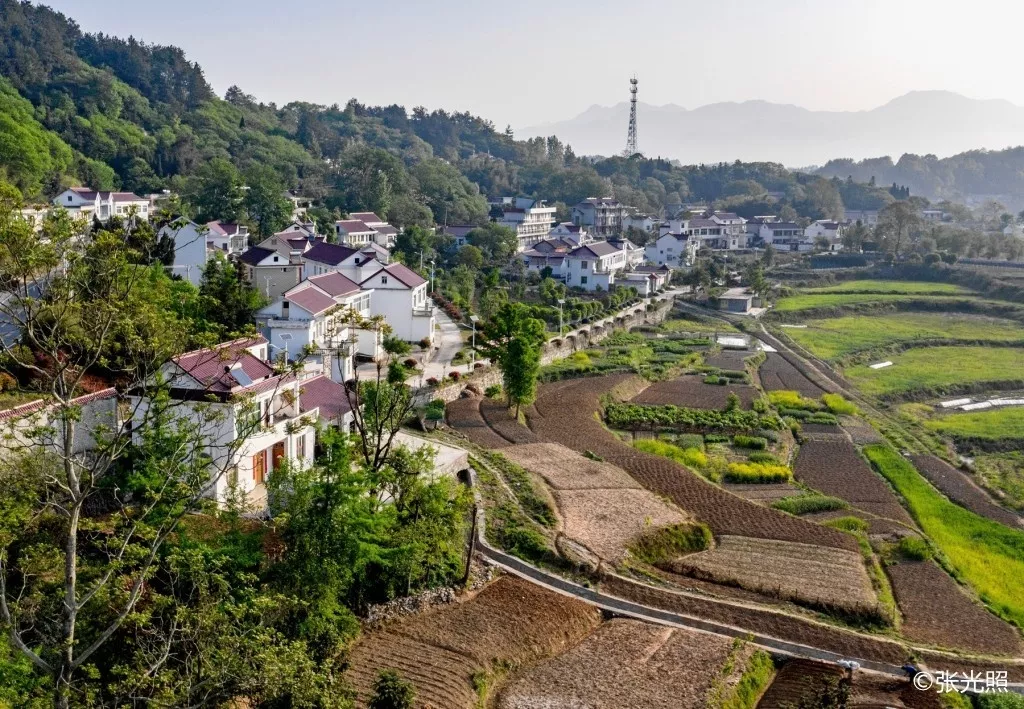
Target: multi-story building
{"points": [[567, 231], [190, 249], [785, 236], [102, 205], [594, 266], [672, 249], [530, 218], [601, 215], [867, 217], [354, 232], [400, 295], [228, 237], [831, 231], [251, 418]]}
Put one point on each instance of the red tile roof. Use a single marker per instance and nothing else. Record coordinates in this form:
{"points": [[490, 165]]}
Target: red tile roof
{"points": [[365, 217], [311, 299], [331, 254], [211, 366], [334, 284], [353, 226], [326, 394], [39, 404], [402, 273]]}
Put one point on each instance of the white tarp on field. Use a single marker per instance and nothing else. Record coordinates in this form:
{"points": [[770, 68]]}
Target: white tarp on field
{"points": [[880, 365]]}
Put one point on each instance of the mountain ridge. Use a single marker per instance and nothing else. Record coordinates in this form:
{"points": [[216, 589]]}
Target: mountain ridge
{"points": [[936, 122]]}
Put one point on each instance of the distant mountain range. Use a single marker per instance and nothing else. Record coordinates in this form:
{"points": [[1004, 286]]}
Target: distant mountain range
{"points": [[937, 122]]}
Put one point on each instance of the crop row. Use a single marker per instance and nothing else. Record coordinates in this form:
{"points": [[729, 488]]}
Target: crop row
{"points": [[637, 416]]}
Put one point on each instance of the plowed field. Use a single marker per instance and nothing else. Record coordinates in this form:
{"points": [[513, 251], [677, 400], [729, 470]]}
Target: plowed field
{"points": [[937, 612], [500, 418], [567, 416], [510, 620], [627, 664], [835, 468], [812, 575], [955, 485], [796, 681], [777, 373], [692, 392], [729, 359], [778, 625], [564, 469], [465, 417]]}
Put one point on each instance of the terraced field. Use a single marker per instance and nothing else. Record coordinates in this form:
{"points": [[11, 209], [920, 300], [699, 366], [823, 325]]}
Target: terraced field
{"points": [[691, 391], [566, 415], [874, 286], [778, 374], [510, 621], [833, 338], [986, 427], [955, 485], [836, 469], [941, 370], [627, 663]]}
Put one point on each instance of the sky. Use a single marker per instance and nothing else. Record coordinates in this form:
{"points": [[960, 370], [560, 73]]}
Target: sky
{"points": [[537, 61]]}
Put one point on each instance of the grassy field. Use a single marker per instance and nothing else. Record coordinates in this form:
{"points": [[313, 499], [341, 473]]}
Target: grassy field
{"points": [[832, 338], [873, 286], [937, 367], [1004, 472], [809, 300], [987, 555], [697, 326], [991, 424]]}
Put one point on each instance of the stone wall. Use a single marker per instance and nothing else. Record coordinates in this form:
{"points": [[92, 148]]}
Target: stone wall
{"points": [[560, 347]]}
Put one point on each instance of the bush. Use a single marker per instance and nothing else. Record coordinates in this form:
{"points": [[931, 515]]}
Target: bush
{"points": [[785, 399], [493, 391], [809, 504], [524, 542], [757, 473], [690, 440], [668, 543], [798, 414], [712, 379], [716, 438], [765, 433], [838, 405], [409, 363], [914, 549], [753, 442], [822, 418], [435, 410], [454, 376], [432, 381], [390, 691], [690, 457], [761, 457], [424, 343], [848, 524]]}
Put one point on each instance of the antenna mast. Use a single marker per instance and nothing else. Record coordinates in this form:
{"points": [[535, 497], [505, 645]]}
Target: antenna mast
{"points": [[631, 148]]}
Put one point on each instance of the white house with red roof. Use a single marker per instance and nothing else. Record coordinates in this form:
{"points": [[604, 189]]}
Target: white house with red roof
{"points": [[228, 237], [354, 232], [673, 249], [400, 295], [594, 266], [102, 205], [317, 317], [34, 422], [190, 249], [567, 231], [251, 417]]}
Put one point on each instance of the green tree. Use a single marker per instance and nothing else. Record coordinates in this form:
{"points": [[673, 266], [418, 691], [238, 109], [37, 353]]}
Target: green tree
{"points": [[227, 299], [896, 224], [512, 340], [496, 242], [215, 191], [390, 691], [471, 256], [265, 203]]}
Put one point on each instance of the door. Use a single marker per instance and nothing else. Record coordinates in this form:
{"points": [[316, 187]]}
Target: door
{"points": [[276, 454], [259, 467]]}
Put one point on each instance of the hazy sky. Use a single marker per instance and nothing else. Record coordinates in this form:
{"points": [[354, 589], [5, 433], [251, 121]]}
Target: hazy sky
{"points": [[535, 61]]}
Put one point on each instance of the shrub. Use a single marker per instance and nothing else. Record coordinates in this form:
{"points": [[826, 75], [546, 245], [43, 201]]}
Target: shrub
{"points": [[798, 414], [914, 549], [690, 457], [435, 410], [752, 442], [809, 504], [493, 391], [733, 402], [524, 542], [432, 381], [822, 418], [848, 524], [478, 365], [424, 343], [733, 374], [634, 416], [668, 543], [762, 457], [454, 376], [409, 363], [690, 440], [785, 399], [391, 691], [716, 438], [765, 433], [838, 405], [757, 473]]}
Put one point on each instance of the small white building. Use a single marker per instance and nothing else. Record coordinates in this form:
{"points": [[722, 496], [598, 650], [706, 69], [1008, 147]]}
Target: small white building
{"points": [[785, 236], [675, 250], [400, 295], [827, 229], [102, 205], [594, 266], [531, 219], [228, 237], [550, 253], [634, 254], [385, 233], [354, 232], [602, 216], [867, 217], [738, 300], [190, 250], [567, 231], [637, 220]]}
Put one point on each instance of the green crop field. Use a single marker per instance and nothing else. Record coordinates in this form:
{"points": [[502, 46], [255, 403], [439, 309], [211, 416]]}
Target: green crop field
{"points": [[990, 424], [934, 368], [908, 287], [807, 301], [987, 555], [697, 326], [832, 338]]}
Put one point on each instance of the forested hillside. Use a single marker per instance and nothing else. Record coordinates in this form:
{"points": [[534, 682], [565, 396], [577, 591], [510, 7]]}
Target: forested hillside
{"points": [[115, 113]]}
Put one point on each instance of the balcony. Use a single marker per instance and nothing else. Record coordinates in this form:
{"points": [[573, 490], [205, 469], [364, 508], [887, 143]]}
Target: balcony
{"points": [[424, 312]]}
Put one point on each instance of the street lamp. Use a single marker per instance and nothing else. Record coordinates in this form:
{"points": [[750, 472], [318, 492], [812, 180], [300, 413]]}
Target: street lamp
{"points": [[431, 275], [561, 302], [473, 319]]}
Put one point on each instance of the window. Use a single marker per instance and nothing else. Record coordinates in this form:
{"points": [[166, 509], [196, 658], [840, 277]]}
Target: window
{"points": [[300, 447], [69, 198], [383, 280], [275, 259], [259, 467], [584, 265], [583, 280]]}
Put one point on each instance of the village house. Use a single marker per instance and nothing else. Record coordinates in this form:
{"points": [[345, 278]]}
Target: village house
{"points": [[638, 220], [602, 216], [634, 254], [784, 236], [829, 230], [673, 249], [317, 318], [252, 419], [385, 233], [34, 423], [530, 218], [458, 233], [594, 266], [227, 237], [738, 300], [102, 205], [353, 232], [400, 295], [190, 248], [567, 231], [549, 253], [867, 217]]}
